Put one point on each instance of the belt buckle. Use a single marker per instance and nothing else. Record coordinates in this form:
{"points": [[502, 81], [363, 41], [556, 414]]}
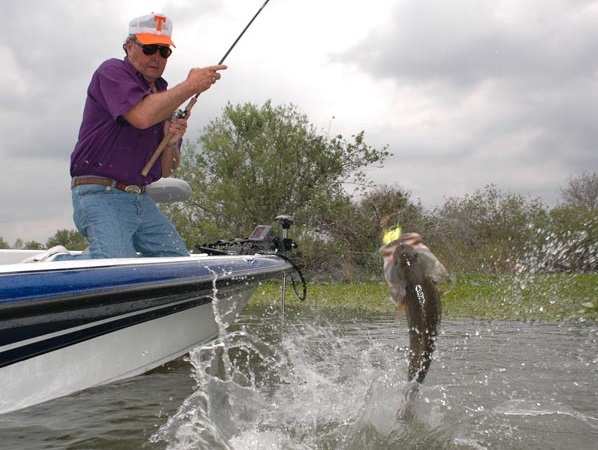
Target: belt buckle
{"points": [[133, 189]]}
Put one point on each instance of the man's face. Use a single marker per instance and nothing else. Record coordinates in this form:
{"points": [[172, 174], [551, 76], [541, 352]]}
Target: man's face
{"points": [[150, 66]]}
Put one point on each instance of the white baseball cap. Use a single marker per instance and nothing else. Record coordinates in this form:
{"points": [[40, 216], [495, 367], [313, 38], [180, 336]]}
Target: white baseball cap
{"points": [[152, 29]]}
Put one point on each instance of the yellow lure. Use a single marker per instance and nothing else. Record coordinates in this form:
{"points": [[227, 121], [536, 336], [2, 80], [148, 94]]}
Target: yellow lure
{"points": [[391, 235]]}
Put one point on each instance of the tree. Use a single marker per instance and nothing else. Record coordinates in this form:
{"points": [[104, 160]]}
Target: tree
{"points": [[33, 245], [582, 190], [490, 229], [3, 243], [70, 239], [19, 244], [254, 163]]}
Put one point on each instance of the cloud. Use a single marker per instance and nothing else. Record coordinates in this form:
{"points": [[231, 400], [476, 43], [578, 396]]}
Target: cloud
{"points": [[485, 92], [464, 42], [465, 93]]}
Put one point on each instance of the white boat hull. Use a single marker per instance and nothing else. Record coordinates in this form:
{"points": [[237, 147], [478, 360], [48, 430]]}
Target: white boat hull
{"points": [[110, 347]]}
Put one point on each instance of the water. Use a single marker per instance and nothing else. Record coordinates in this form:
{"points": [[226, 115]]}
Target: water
{"points": [[335, 383]]}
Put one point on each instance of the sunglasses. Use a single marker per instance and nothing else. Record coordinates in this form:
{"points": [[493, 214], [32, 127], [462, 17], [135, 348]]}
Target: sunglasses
{"points": [[151, 49]]}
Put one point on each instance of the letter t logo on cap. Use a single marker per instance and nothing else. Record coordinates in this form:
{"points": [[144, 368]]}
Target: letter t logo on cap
{"points": [[159, 21]]}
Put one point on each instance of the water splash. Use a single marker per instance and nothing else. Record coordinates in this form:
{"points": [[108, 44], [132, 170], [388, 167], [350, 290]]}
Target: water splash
{"points": [[312, 386], [337, 386], [551, 253], [547, 271], [226, 398]]}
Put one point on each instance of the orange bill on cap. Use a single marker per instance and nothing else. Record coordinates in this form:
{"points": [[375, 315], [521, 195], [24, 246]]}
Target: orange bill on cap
{"points": [[152, 29]]}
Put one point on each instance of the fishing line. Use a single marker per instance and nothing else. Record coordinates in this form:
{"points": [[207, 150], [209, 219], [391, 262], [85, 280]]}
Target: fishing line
{"points": [[182, 113]]}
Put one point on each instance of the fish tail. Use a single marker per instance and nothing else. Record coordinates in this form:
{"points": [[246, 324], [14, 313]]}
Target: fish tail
{"points": [[407, 411]]}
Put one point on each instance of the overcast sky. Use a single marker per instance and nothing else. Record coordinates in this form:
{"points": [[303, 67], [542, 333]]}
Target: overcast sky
{"points": [[464, 93]]}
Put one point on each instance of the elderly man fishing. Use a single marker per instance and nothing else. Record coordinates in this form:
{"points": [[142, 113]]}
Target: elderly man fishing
{"points": [[126, 116]]}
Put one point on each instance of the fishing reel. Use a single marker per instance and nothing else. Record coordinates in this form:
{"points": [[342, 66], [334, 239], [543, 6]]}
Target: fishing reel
{"points": [[179, 114]]}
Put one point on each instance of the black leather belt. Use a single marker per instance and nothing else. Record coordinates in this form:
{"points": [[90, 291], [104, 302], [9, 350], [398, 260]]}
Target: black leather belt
{"points": [[129, 188]]}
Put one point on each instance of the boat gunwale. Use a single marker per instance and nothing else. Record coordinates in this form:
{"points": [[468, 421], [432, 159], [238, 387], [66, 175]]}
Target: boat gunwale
{"points": [[218, 272]]}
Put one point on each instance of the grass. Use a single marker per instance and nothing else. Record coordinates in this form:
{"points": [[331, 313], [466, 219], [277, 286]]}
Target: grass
{"points": [[560, 297]]}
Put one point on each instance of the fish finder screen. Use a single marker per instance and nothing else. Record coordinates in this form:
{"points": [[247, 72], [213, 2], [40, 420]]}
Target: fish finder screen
{"points": [[261, 233]]}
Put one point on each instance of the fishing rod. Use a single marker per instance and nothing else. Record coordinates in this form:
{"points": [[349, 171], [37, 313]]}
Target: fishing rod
{"points": [[182, 113]]}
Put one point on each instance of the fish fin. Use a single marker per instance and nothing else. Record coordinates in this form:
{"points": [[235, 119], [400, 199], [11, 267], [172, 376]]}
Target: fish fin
{"points": [[401, 309], [412, 239], [453, 280], [406, 413]]}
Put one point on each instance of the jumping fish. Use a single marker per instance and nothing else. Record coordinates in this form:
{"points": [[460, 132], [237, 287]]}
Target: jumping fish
{"points": [[413, 273]]}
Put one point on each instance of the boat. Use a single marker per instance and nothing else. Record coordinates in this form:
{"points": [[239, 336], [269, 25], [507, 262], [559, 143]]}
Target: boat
{"points": [[66, 326]]}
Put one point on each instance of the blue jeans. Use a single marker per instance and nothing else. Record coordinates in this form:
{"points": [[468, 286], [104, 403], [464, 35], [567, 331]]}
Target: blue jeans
{"points": [[122, 225]]}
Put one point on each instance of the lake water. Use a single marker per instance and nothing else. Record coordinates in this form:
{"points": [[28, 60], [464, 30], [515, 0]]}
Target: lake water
{"points": [[323, 382]]}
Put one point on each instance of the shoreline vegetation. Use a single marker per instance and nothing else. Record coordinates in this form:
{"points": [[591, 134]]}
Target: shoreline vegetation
{"points": [[525, 297]]}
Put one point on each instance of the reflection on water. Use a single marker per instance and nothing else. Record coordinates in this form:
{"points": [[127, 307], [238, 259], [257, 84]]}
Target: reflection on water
{"points": [[336, 384], [324, 383]]}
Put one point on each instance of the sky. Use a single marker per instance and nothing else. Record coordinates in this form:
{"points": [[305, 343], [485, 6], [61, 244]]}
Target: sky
{"points": [[463, 93]]}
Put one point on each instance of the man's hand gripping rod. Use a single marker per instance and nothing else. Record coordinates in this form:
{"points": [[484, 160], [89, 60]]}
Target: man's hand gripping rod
{"points": [[182, 113]]}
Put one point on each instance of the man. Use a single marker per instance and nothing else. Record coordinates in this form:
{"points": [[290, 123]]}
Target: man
{"points": [[125, 118]]}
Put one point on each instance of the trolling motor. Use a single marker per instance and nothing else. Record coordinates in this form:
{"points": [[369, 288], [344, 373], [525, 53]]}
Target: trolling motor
{"points": [[264, 241], [285, 221]]}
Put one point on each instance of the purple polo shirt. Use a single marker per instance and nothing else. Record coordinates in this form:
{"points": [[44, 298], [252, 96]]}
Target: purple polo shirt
{"points": [[108, 146]]}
